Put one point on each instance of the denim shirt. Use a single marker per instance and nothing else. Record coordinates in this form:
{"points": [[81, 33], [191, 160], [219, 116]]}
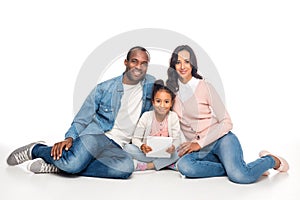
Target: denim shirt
{"points": [[99, 111]]}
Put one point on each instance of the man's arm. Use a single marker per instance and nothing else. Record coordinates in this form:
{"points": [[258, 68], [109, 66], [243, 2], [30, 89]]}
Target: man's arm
{"points": [[85, 115]]}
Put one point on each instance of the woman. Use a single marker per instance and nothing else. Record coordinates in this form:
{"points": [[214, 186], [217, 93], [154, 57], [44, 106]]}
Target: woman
{"points": [[211, 149]]}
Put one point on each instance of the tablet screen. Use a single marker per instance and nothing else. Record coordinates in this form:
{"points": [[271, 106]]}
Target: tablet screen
{"points": [[159, 146]]}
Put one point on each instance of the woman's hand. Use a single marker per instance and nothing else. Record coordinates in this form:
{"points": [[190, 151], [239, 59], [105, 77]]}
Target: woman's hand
{"points": [[171, 149], [56, 151], [188, 147], [145, 148]]}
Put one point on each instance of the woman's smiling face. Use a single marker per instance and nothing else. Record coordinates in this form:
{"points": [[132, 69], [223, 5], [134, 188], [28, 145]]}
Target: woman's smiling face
{"points": [[183, 66]]}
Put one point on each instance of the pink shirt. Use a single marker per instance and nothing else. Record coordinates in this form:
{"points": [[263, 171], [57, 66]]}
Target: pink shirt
{"points": [[203, 116], [159, 128]]}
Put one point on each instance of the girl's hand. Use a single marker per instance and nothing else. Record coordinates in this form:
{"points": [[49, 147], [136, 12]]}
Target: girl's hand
{"points": [[171, 149], [188, 147], [145, 148]]}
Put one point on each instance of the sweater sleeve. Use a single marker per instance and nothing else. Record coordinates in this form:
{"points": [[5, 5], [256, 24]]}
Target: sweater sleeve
{"points": [[222, 124], [174, 128], [140, 130]]}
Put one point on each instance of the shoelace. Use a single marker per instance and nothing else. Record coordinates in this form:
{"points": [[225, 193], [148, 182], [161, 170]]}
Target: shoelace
{"points": [[21, 156], [48, 168]]}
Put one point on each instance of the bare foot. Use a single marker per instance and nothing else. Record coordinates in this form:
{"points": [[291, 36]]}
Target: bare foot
{"points": [[150, 166]]}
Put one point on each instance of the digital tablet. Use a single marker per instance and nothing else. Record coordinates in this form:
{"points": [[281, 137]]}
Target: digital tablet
{"points": [[159, 146]]}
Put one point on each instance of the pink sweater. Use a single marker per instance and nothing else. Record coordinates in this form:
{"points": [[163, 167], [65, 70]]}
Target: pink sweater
{"points": [[203, 117]]}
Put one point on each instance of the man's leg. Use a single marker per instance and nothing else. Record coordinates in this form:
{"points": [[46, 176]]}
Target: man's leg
{"points": [[83, 151], [112, 162]]}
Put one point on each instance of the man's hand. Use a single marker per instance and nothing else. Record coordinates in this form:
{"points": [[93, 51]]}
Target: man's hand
{"points": [[145, 148], [56, 151], [188, 147]]}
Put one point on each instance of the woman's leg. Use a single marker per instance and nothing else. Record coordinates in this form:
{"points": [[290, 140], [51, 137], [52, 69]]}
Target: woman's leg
{"points": [[194, 165], [229, 151]]}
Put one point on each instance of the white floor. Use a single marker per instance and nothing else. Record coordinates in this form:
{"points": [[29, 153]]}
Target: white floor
{"points": [[18, 183]]}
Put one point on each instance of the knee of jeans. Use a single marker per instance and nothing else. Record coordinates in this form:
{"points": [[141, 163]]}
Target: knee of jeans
{"points": [[131, 148], [125, 170], [72, 166], [229, 139], [184, 167], [241, 178], [123, 175]]}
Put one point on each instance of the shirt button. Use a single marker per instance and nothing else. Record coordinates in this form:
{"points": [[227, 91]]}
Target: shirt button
{"points": [[198, 137]]}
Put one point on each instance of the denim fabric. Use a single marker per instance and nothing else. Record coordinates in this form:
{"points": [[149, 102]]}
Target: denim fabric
{"points": [[225, 159], [159, 163], [93, 153], [90, 155], [98, 112]]}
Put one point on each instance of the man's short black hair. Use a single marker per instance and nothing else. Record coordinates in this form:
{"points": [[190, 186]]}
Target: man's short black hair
{"points": [[137, 48]]}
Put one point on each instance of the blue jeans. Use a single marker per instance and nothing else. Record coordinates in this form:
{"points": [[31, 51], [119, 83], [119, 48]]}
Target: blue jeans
{"points": [[90, 155], [225, 159], [159, 163]]}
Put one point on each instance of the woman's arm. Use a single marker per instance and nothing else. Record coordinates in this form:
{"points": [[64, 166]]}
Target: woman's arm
{"points": [[223, 121]]}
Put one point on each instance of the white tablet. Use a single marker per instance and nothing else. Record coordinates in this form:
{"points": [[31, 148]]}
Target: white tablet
{"points": [[159, 146]]}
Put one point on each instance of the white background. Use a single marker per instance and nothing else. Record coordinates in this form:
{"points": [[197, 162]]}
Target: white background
{"points": [[255, 46]]}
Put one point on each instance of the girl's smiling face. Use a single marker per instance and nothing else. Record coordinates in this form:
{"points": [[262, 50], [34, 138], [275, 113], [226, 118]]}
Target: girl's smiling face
{"points": [[162, 102]]}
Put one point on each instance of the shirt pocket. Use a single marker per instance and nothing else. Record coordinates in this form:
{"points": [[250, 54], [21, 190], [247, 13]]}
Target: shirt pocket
{"points": [[106, 113]]}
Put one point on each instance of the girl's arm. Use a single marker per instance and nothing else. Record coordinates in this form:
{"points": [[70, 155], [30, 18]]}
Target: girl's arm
{"points": [[140, 130], [175, 129]]}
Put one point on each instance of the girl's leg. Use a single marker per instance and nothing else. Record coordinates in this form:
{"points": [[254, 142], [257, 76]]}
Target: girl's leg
{"points": [[160, 163], [229, 151], [136, 153], [141, 161]]}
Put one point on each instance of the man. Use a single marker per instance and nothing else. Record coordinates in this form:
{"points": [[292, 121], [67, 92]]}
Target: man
{"points": [[103, 125]]}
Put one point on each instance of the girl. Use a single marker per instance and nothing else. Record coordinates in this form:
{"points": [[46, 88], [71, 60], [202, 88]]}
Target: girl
{"points": [[211, 148], [158, 122]]}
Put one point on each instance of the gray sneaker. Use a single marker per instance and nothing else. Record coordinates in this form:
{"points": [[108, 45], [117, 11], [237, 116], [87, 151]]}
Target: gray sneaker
{"points": [[39, 166], [21, 154]]}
